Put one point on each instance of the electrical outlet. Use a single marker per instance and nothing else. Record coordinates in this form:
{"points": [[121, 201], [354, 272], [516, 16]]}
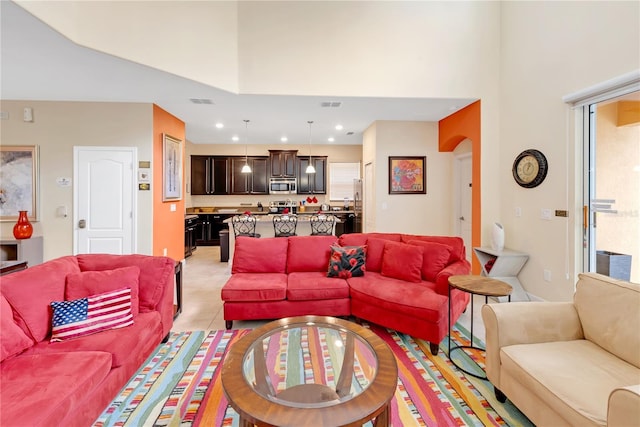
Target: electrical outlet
{"points": [[518, 212], [164, 251], [547, 275]]}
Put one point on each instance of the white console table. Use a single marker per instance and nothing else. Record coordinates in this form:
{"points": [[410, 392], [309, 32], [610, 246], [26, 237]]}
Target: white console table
{"points": [[29, 250], [506, 267]]}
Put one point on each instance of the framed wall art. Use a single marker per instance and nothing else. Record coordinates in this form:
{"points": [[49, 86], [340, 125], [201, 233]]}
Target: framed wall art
{"points": [[407, 175], [172, 168], [18, 181]]}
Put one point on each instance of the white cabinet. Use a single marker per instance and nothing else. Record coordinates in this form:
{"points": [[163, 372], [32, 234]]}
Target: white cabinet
{"points": [[29, 250], [504, 265]]}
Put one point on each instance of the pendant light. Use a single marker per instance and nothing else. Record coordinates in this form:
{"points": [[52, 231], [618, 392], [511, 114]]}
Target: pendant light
{"points": [[246, 168], [310, 168]]}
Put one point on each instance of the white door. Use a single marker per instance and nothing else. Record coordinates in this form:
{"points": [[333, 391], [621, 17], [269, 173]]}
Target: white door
{"points": [[104, 205], [463, 203]]}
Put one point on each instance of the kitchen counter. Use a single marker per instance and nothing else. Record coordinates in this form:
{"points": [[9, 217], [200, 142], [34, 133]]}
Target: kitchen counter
{"points": [[309, 210]]}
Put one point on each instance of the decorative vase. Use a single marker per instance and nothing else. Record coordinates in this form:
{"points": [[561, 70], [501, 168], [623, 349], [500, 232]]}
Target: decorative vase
{"points": [[23, 228], [497, 238]]}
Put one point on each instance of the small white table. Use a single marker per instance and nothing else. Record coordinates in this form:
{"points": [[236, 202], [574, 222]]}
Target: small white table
{"points": [[506, 267]]}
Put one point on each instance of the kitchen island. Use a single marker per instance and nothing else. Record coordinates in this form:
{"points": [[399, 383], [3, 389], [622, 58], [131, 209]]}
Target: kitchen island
{"points": [[264, 227]]}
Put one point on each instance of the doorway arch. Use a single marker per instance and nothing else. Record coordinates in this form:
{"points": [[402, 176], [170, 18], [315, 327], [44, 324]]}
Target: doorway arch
{"points": [[452, 130]]}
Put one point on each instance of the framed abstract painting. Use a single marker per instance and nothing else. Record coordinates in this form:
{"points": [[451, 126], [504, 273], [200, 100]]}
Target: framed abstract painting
{"points": [[407, 175], [18, 181]]}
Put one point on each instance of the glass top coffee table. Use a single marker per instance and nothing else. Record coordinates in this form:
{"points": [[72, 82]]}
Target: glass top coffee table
{"points": [[310, 370]]}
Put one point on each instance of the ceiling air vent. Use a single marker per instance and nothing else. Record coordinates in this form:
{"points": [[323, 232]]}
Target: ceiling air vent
{"points": [[331, 104], [349, 133], [201, 101]]}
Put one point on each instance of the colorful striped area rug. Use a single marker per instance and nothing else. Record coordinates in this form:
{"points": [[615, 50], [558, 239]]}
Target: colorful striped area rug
{"points": [[180, 385]]}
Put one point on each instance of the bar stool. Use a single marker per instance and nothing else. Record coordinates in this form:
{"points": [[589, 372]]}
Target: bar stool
{"points": [[244, 225], [322, 225], [285, 225]]}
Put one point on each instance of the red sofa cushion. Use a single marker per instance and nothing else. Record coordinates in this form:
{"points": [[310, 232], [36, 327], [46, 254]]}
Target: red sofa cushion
{"points": [[360, 239], [87, 283], [309, 253], [120, 345], [41, 388], [414, 299], [456, 244], [255, 286], [32, 290], [315, 286], [434, 258], [402, 261], [375, 248], [154, 273], [260, 255], [14, 340]]}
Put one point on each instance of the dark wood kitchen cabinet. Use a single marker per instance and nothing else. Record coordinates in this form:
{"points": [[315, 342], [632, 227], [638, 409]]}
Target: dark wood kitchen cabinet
{"points": [[312, 183], [209, 175], [283, 163], [209, 227], [256, 182]]}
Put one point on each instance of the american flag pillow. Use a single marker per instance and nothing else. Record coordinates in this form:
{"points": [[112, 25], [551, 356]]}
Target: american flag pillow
{"points": [[95, 313]]}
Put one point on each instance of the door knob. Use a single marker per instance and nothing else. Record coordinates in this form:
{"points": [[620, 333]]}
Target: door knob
{"points": [[461, 218], [82, 223]]}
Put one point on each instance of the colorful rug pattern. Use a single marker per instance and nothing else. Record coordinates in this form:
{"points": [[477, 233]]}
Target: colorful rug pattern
{"points": [[180, 385]]}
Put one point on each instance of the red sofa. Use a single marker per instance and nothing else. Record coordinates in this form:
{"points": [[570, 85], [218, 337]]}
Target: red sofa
{"points": [[404, 287], [70, 382]]}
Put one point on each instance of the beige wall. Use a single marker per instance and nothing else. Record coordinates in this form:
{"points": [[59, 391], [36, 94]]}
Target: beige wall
{"points": [[192, 39], [549, 50], [429, 213], [519, 58], [334, 153], [56, 129]]}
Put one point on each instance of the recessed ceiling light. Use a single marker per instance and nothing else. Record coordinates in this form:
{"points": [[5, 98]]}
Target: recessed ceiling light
{"points": [[331, 139], [219, 125], [235, 138], [338, 127], [284, 139], [453, 108]]}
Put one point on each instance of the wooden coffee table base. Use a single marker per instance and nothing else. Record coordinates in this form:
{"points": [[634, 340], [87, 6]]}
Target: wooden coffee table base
{"points": [[310, 404]]}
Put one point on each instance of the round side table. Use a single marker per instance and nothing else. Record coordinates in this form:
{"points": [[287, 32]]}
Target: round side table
{"points": [[475, 285]]}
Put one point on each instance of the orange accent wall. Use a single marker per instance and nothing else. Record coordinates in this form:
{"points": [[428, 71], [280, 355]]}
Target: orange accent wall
{"points": [[168, 227], [452, 130]]}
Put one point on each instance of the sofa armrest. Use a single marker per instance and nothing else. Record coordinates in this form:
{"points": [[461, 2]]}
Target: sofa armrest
{"points": [[526, 323], [624, 406], [459, 267]]}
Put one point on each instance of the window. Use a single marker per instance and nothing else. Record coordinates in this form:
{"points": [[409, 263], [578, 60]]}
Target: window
{"points": [[341, 176]]}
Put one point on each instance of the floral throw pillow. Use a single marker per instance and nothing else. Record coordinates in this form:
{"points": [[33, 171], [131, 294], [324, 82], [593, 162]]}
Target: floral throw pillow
{"points": [[347, 261]]}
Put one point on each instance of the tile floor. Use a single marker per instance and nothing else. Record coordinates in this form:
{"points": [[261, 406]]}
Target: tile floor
{"points": [[203, 276]]}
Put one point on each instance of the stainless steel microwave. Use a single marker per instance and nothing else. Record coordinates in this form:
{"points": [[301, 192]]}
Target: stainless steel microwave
{"points": [[282, 186]]}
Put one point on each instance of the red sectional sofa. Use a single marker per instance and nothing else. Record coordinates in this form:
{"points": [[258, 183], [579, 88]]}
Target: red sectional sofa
{"points": [[404, 286], [70, 382]]}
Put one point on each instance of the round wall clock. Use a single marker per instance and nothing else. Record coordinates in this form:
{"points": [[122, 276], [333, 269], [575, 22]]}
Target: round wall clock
{"points": [[530, 168]]}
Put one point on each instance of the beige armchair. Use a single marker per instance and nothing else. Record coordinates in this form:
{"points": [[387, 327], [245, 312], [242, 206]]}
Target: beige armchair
{"points": [[569, 363]]}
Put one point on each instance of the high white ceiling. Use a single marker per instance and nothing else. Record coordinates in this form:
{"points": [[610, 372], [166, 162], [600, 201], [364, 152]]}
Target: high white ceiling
{"points": [[37, 63]]}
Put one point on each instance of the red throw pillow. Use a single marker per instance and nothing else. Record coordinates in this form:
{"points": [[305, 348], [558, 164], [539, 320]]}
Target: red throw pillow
{"points": [[87, 283], [402, 261], [263, 255], [347, 261], [375, 248], [14, 340], [434, 258]]}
